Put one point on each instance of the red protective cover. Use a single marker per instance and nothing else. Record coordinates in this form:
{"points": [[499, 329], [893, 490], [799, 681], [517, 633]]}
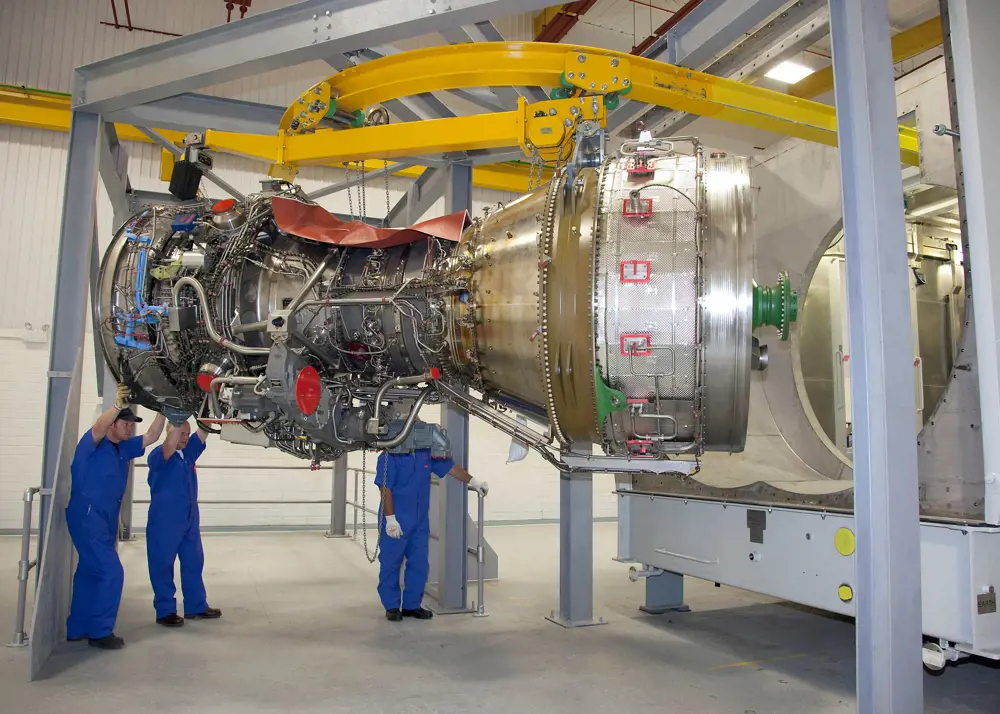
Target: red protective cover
{"points": [[318, 224]]}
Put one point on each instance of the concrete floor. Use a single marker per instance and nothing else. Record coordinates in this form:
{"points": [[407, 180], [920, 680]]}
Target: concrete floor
{"points": [[303, 631]]}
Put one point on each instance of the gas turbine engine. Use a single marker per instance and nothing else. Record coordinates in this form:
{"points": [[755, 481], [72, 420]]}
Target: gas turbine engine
{"points": [[612, 306]]}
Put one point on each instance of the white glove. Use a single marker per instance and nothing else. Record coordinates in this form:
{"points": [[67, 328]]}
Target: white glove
{"points": [[481, 486], [392, 528]]}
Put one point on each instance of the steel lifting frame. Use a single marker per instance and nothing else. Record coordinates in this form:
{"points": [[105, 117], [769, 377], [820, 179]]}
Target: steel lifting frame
{"points": [[139, 87], [51, 111]]}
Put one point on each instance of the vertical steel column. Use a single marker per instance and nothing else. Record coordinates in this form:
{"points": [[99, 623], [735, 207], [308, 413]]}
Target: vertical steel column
{"points": [[887, 591], [576, 551], [453, 563], [974, 24], [68, 319], [338, 500]]}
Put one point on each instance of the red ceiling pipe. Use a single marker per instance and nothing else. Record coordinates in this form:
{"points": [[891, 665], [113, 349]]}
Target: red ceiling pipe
{"points": [[557, 28], [128, 16], [231, 5], [666, 26], [114, 11]]}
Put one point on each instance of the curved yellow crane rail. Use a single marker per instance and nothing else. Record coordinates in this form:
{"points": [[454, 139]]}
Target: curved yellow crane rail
{"points": [[590, 80]]}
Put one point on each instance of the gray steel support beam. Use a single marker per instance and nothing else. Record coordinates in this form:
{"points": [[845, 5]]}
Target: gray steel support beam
{"points": [[378, 173], [76, 245], [798, 27], [427, 188], [975, 26], [95, 263], [312, 29], [886, 507], [113, 168], [713, 27], [453, 575], [338, 500], [576, 551], [197, 112]]}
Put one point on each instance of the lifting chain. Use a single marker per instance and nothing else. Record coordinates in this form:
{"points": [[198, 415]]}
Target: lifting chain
{"points": [[534, 181], [364, 501], [350, 198], [362, 204], [388, 207]]}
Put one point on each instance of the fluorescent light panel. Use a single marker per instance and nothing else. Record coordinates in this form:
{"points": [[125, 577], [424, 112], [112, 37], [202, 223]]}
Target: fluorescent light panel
{"points": [[790, 72]]}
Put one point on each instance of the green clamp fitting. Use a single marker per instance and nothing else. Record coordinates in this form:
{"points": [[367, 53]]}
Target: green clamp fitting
{"points": [[559, 93], [359, 119], [332, 109], [777, 306], [611, 101], [608, 399]]}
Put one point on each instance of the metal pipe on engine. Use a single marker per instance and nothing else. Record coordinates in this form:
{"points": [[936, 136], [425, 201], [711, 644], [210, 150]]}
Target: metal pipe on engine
{"points": [[380, 395], [407, 425], [209, 328], [213, 396], [311, 282]]}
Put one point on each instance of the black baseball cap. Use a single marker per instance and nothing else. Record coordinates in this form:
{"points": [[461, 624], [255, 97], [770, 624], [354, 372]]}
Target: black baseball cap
{"points": [[127, 414]]}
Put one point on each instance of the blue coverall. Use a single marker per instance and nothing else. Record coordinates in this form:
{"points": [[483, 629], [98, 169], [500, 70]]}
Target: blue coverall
{"points": [[408, 477], [100, 473], [172, 529]]}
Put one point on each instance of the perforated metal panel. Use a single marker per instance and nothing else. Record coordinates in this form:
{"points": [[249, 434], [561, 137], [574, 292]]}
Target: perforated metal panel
{"points": [[671, 310]]}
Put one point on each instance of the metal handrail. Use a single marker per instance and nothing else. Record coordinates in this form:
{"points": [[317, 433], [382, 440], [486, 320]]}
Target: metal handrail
{"points": [[24, 567]]}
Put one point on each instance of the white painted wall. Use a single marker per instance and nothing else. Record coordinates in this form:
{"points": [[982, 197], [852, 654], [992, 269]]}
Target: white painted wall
{"points": [[40, 42]]}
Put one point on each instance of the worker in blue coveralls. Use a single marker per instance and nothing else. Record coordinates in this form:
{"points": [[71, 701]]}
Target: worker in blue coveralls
{"points": [[173, 527], [100, 473], [405, 482]]}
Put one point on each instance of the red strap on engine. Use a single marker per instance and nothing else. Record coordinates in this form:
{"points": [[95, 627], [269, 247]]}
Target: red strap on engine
{"points": [[318, 224]]}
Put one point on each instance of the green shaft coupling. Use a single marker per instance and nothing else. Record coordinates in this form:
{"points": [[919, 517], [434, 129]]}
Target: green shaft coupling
{"points": [[777, 306]]}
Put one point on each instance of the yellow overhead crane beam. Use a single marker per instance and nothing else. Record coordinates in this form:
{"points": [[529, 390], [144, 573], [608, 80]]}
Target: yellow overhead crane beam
{"points": [[594, 75], [37, 109], [906, 44]]}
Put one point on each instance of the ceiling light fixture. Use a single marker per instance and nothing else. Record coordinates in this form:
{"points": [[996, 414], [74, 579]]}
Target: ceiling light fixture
{"points": [[789, 72]]}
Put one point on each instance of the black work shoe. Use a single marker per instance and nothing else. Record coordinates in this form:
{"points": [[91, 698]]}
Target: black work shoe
{"points": [[420, 613], [393, 615], [209, 613], [171, 620], [108, 642]]}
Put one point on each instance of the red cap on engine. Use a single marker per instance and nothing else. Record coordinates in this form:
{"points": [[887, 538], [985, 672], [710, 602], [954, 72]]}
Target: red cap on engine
{"points": [[308, 390], [223, 206], [204, 380], [435, 373]]}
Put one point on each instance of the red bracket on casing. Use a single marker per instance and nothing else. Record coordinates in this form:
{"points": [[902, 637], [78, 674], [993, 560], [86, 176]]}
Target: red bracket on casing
{"points": [[637, 344], [646, 212], [636, 271]]}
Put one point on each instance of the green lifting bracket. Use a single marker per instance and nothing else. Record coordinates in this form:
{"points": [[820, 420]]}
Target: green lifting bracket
{"points": [[777, 306], [608, 399]]}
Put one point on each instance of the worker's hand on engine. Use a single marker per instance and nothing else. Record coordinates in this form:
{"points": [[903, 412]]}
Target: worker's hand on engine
{"points": [[481, 486], [121, 396], [392, 528]]}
